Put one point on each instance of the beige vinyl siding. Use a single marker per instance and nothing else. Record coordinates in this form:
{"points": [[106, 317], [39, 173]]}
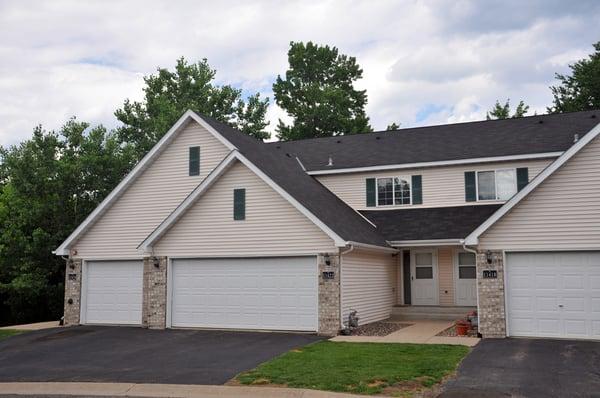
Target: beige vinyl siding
{"points": [[446, 275], [368, 285], [562, 213], [152, 197], [442, 186], [272, 227]]}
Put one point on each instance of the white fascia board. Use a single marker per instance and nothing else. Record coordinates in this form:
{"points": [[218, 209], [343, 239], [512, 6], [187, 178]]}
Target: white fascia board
{"points": [[156, 150], [339, 242], [426, 242], [473, 238], [366, 246], [168, 222], [543, 155]]}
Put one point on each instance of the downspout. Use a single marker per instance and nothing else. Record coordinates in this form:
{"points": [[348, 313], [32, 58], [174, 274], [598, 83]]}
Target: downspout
{"points": [[470, 250], [342, 253]]}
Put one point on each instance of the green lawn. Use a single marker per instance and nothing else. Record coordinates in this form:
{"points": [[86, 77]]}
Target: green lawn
{"points": [[4, 333], [365, 368]]}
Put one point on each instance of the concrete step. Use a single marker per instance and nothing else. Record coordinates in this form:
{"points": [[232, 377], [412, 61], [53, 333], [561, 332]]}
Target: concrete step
{"points": [[430, 312]]}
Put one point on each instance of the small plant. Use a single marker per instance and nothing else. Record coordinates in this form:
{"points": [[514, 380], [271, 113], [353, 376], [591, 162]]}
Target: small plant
{"points": [[462, 327]]}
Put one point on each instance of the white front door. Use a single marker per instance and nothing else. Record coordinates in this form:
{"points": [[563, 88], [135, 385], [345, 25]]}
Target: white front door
{"points": [[553, 294], [277, 293], [466, 279], [112, 292], [424, 277]]}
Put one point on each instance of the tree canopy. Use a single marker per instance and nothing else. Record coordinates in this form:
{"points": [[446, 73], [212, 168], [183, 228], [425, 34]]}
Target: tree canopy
{"points": [[503, 111], [168, 94], [318, 93], [48, 185], [579, 91]]}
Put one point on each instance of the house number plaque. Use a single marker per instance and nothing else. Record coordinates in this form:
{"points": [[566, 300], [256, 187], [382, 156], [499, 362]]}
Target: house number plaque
{"points": [[490, 274], [328, 275]]}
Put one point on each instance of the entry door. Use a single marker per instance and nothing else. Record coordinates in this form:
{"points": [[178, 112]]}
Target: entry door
{"points": [[424, 284], [466, 281]]}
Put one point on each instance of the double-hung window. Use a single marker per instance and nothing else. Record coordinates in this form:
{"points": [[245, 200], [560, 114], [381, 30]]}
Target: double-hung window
{"points": [[393, 191], [496, 184]]}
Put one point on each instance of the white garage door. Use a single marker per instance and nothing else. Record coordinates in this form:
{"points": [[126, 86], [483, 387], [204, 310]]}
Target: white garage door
{"points": [[260, 293], [113, 292], [554, 294]]}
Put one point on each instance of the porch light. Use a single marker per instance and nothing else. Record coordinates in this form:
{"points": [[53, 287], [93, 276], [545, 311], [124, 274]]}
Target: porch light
{"points": [[155, 262], [489, 256], [327, 259]]}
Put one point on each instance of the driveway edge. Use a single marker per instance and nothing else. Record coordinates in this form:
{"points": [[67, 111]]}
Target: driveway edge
{"points": [[159, 390]]}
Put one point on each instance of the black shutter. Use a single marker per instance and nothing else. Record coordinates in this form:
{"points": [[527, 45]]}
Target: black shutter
{"points": [[522, 177], [194, 163], [417, 190], [470, 188], [371, 193], [239, 204]]}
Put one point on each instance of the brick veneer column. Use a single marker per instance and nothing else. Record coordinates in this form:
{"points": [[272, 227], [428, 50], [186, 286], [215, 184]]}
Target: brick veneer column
{"points": [[492, 314], [329, 296], [72, 292], [154, 307]]}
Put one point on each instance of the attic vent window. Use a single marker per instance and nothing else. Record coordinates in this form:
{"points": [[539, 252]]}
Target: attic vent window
{"points": [[194, 161]]}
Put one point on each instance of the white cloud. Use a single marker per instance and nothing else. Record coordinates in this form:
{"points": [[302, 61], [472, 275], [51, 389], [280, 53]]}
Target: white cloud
{"points": [[424, 62]]}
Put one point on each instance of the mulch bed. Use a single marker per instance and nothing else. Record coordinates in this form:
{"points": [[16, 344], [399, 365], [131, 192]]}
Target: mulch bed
{"points": [[381, 328], [451, 332]]}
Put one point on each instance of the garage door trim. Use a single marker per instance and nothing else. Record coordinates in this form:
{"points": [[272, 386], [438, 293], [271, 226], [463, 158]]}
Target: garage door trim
{"points": [[84, 287], [169, 307]]}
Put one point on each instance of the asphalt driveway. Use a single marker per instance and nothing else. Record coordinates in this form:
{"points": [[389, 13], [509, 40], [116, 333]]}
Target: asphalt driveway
{"points": [[528, 368], [135, 355]]}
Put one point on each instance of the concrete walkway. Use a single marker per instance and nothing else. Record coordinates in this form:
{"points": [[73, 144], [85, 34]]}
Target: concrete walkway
{"points": [[33, 326], [420, 332], [160, 390]]}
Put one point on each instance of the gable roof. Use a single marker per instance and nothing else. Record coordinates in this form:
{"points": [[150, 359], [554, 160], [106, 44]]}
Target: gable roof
{"points": [[142, 165], [435, 223], [473, 238], [526, 137]]}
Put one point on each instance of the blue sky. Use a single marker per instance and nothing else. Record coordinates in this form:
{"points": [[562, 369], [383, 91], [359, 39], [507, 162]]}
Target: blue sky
{"points": [[425, 62]]}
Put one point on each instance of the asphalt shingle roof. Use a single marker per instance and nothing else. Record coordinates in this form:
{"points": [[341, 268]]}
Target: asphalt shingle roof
{"points": [[430, 223], [526, 135]]}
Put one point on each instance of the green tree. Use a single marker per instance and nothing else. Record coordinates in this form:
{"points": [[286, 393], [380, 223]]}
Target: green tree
{"points": [[393, 126], [318, 93], [503, 111], [168, 94], [579, 91], [48, 185]]}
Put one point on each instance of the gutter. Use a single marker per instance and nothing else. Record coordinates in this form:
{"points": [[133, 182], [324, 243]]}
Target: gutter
{"points": [[366, 246]]}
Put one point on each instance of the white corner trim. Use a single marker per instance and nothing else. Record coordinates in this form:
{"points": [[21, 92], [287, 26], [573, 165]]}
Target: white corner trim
{"points": [[156, 150], [168, 222], [473, 238], [542, 155], [426, 242]]}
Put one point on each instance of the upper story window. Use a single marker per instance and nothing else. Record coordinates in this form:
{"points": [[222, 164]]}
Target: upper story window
{"points": [[394, 191], [499, 184], [194, 161]]}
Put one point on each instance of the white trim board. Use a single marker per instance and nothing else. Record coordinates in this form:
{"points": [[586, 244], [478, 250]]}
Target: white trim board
{"points": [[473, 238], [143, 164], [542, 155]]}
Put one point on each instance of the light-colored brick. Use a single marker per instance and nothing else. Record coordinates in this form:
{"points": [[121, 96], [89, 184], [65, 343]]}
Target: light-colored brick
{"points": [[492, 319], [154, 306], [72, 292], [329, 296]]}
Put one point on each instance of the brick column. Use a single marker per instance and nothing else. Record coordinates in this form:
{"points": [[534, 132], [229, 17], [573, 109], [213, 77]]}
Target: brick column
{"points": [[72, 292], [329, 295], [154, 307], [492, 320]]}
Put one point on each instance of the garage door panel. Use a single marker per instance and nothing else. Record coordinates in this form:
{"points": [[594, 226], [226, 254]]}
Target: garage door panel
{"points": [[267, 293], [560, 299], [113, 292]]}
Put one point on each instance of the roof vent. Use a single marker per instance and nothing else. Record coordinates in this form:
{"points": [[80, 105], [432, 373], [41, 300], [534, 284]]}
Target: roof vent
{"points": [[378, 138], [540, 121], [330, 161], [278, 147], [593, 116], [288, 155], [339, 142], [575, 138]]}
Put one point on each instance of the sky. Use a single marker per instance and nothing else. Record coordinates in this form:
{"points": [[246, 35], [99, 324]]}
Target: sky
{"points": [[424, 62]]}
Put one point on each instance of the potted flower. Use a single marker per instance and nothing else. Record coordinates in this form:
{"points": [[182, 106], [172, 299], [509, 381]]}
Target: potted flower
{"points": [[462, 327]]}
